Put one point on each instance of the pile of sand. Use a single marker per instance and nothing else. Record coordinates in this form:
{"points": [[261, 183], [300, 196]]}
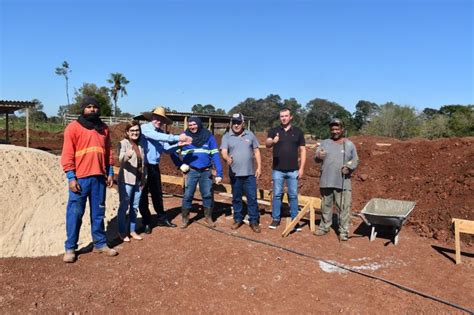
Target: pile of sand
{"points": [[33, 198]]}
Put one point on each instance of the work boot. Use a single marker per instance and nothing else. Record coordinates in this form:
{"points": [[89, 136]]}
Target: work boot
{"points": [[106, 250], [320, 232], [208, 215], [255, 227], [236, 225], [185, 218], [69, 256]]}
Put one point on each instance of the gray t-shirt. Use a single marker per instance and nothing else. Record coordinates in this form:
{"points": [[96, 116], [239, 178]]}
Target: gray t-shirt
{"points": [[240, 148], [337, 155]]}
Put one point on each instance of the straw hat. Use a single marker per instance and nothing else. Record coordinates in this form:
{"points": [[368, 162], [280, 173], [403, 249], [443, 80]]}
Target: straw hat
{"points": [[160, 112]]}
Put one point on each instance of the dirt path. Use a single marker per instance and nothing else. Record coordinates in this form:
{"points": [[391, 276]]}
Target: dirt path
{"points": [[199, 270]]}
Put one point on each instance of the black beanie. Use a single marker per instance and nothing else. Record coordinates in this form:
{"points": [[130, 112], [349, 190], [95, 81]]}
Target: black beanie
{"points": [[89, 100]]}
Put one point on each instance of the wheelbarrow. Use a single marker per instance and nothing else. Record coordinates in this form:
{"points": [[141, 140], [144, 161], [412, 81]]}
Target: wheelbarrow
{"points": [[387, 212]]}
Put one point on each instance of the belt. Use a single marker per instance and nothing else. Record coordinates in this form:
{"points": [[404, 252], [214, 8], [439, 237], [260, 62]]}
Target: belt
{"points": [[200, 169]]}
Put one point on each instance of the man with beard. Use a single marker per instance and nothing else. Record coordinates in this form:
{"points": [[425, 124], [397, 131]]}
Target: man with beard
{"points": [[200, 155], [87, 160], [239, 147], [339, 160]]}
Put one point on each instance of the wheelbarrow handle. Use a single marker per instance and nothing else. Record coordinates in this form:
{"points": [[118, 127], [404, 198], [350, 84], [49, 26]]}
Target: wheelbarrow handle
{"points": [[364, 219]]}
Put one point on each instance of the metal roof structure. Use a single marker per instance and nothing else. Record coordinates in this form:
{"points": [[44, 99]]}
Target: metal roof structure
{"points": [[211, 119], [8, 107], [180, 116]]}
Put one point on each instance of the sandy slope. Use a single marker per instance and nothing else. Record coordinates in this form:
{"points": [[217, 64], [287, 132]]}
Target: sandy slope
{"points": [[33, 197]]}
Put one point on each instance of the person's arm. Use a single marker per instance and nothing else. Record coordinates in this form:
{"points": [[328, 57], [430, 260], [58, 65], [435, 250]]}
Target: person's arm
{"points": [[354, 158], [302, 161], [302, 149], [124, 154], [109, 167], [226, 157], [272, 138], [215, 156], [258, 159], [68, 159], [150, 132]]}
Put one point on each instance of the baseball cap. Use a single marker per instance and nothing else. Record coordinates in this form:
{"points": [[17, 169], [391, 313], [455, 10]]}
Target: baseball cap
{"points": [[238, 117], [336, 121]]}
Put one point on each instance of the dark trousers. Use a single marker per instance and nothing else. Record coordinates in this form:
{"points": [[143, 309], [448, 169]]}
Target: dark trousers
{"points": [[153, 185]]}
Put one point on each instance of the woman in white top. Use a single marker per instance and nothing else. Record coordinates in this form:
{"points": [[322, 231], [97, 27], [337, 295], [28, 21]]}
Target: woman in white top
{"points": [[131, 179]]}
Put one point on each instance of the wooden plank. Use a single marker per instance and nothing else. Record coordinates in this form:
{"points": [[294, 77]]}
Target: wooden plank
{"points": [[461, 226], [457, 240], [465, 226], [297, 219]]}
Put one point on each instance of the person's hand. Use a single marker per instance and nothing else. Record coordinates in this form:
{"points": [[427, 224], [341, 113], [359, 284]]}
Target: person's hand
{"points": [[345, 170], [218, 179], [300, 173], [74, 186], [258, 173], [110, 181], [229, 160], [276, 138], [184, 139], [184, 168], [322, 153], [130, 152]]}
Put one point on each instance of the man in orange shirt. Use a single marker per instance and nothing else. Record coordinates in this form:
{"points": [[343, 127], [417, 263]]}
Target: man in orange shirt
{"points": [[87, 160]]}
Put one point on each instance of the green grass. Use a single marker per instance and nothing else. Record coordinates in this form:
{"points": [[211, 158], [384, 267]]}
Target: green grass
{"points": [[42, 126]]}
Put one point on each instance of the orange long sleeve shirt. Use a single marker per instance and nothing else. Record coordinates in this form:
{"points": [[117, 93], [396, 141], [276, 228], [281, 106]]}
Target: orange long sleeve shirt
{"points": [[86, 152]]}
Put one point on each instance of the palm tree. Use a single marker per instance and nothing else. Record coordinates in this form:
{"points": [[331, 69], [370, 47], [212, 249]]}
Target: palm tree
{"points": [[119, 81]]}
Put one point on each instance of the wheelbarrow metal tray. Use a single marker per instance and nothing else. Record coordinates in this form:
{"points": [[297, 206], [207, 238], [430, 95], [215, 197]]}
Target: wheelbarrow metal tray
{"points": [[387, 211]]}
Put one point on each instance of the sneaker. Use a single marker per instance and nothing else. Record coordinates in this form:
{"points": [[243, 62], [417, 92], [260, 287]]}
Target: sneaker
{"points": [[124, 238], [69, 256], [135, 236], [255, 227], [274, 224], [343, 237], [236, 225], [320, 232], [106, 250], [298, 228]]}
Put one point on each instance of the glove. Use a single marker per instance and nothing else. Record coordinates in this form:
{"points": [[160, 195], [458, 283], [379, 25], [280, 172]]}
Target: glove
{"points": [[184, 168], [218, 180]]}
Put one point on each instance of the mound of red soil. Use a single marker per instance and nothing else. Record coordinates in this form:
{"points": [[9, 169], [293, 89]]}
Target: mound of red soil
{"points": [[438, 175]]}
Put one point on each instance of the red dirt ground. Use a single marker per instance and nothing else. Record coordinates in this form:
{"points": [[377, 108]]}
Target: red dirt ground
{"points": [[200, 270]]}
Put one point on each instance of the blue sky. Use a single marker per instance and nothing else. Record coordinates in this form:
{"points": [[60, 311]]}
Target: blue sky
{"points": [[181, 53]]}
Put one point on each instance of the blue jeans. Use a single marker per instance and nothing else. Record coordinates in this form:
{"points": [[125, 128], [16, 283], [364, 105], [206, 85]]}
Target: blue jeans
{"points": [[92, 187], [204, 178], [279, 178], [129, 197], [247, 185]]}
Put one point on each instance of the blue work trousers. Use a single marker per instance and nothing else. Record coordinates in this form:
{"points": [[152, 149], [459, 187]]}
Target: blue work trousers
{"points": [[92, 187], [245, 185], [204, 178]]}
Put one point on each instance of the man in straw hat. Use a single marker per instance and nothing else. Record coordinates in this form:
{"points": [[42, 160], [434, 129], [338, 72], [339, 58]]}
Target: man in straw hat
{"points": [[156, 142]]}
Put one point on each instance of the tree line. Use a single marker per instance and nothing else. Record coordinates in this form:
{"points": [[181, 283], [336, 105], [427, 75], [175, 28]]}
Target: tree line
{"points": [[389, 119]]}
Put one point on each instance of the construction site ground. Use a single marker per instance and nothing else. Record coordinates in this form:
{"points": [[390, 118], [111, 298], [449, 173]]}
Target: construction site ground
{"points": [[202, 270]]}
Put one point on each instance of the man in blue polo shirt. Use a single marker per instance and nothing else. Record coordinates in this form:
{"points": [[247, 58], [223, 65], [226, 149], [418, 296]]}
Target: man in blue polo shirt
{"points": [[239, 147], [287, 141]]}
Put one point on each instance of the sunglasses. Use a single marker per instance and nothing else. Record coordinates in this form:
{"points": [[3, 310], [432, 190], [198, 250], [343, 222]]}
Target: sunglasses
{"points": [[234, 122]]}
